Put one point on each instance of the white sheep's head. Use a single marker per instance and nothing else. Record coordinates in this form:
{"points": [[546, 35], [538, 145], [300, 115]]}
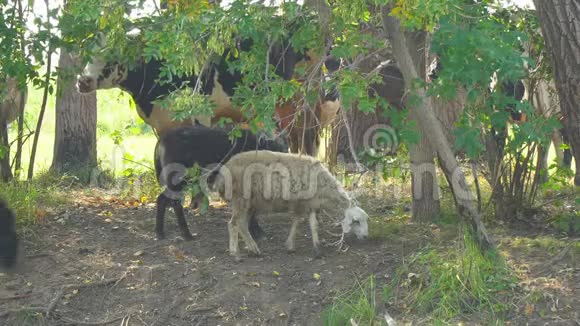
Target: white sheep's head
{"points": [[355, 222]]}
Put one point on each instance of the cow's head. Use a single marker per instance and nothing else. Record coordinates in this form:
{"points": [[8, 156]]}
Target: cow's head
{"points": [[101, 73]]}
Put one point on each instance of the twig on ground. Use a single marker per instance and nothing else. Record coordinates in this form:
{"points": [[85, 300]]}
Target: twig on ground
{"points": [[47, 311], [70, 322], [38, 256], [16, 297]]}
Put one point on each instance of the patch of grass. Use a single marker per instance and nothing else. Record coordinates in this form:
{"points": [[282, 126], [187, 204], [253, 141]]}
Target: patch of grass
{"points": [[446, 283], [567, 222], [358, 304], [28, 199], [380, 229], [22, 198], [547, 243]]}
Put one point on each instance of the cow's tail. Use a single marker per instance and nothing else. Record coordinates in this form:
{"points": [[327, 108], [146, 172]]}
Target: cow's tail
{"points": [[157, 162]]}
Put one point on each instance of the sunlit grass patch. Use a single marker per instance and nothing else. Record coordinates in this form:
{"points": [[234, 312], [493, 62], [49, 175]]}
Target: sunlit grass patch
{"points": [[446, 283], [30, 200], [357, 304], [548, 243]]}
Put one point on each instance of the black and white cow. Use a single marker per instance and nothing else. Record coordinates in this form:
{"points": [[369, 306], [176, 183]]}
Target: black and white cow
{"points": [[218, 82]]}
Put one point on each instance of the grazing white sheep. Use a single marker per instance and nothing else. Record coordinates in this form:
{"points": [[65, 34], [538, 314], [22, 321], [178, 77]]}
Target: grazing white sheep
{"points": [[259, 182]]}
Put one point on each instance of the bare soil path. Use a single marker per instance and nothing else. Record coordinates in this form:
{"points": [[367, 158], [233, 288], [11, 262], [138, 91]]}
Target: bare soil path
{"points": [[174, 282]]}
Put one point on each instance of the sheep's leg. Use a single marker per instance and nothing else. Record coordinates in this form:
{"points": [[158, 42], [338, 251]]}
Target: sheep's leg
{"points": [[290, 243], [242, 225], [178, 209], [314, 230], [159, 219], [233, 232]]}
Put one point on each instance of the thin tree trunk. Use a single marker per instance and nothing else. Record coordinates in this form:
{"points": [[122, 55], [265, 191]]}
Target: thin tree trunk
{"points": [[560, 22], [463, 195], [20, 140], [75, 145], [40, 118], [44, 100]]}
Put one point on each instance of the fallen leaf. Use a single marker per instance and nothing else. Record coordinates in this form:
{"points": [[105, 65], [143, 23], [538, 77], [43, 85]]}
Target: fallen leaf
{"points": [[275, 273], [316, 276], [529, 309], [179, 255], [255, 284]]}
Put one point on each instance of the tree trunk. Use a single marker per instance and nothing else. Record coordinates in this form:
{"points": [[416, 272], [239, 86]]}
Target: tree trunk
{"points": [[426, 205], [429, 125], [11, 107], [560, 22], [5, 170], [75, 145]]}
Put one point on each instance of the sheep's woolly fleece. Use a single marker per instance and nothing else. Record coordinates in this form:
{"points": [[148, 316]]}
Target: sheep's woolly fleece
{"points": [[271, 180]]}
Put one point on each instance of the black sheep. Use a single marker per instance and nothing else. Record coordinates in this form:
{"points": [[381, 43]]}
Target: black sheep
{"points": [[8, 237], [183, 147]]}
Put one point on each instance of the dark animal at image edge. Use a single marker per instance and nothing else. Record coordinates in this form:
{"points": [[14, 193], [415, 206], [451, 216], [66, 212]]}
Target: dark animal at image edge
{"points": [[182, 148], [8, 237]]}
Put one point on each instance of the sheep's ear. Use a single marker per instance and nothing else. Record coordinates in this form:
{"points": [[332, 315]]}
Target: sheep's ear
{"points": [[346, 222]]}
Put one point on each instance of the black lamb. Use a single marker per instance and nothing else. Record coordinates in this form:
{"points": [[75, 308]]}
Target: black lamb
{"points": [[183, 147]]}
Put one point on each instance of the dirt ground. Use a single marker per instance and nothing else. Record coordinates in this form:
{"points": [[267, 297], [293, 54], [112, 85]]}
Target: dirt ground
{"points": [[174, 282], [98, 263]]}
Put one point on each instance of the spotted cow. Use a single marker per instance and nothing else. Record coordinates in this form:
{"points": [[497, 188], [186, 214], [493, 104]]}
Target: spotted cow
{"points": [[218, 82]]}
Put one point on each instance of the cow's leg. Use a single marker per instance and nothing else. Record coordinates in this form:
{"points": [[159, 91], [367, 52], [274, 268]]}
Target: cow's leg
{"points": [[557, 141], [159, 220], [180, 216], [295, 142], [196, 201], [567, 156], [543, 163]]}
